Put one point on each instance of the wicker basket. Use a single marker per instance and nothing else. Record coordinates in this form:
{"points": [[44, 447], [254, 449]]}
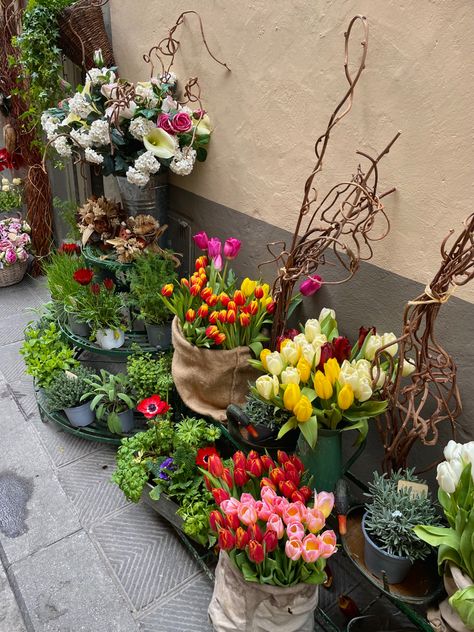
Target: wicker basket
{"points": [[13, 274], [82, 31]]}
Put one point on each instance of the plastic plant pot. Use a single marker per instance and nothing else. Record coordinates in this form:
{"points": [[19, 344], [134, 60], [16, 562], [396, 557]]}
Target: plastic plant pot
{"points": [[110, 338], [378, 561], [79, 416]]}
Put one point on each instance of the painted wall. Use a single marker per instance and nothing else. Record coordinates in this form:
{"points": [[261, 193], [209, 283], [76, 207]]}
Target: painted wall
{"points": [[286, 58]]}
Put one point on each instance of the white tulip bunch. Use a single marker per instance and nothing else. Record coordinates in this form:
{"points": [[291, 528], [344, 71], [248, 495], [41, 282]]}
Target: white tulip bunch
{"points": [[457, 456]]}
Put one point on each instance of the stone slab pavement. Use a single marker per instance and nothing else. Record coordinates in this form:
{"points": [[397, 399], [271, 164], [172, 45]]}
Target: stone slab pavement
{"points": [[75, 555]]}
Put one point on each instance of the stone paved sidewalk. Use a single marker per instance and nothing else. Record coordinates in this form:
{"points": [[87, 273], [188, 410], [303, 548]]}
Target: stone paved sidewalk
{"points": [[76, 556]]}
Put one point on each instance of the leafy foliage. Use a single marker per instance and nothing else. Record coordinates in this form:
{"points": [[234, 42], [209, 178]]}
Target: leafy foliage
{"points": [[67, 388], [68, 212], [147, 276], [40, 57], [267, 415], [46, 354], [393, 514], [59, 269], [110, 395], [150, 376]]}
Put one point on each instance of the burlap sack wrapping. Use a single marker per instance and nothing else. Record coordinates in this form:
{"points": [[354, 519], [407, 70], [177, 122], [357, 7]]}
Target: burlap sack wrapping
{"points": [[208, 380], [240, 606], [445, 618]]}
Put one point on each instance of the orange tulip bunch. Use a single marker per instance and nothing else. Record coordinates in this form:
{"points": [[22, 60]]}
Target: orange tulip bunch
{"points": [[214, 312]]}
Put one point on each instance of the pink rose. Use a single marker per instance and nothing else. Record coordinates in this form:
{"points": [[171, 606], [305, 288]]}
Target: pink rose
{"points": [[10, 256], [4, 245], [181, 122], [22, 254], [164, 122]]}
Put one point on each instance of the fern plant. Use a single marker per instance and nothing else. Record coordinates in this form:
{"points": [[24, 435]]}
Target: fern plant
{"points": [[148, 275], [392, 515], [67, 389]]}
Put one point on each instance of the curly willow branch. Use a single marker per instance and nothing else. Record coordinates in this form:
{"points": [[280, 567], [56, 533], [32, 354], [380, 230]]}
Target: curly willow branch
{"points": [[432, 396], [37, 187], [344, 219]]}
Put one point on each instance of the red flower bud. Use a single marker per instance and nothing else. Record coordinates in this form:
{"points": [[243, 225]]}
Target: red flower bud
{"points": [[255, 467], [241, 538], [256, 553], [190, 315], [83, 276], [95, 289], [282, 457], [253, 454], [201, 262], [289, 466], [226, 540], [232, 521], [294, 477], [212, 300], [232, 305], [327, 352], [227, 477], [240, 477], [222, 316], [253, 307], [220, 495], [224, 299], [239, 459], [206, 293], [287, 488], [277, 475], [297, 463], [258, 292], [307, 492], [109, 284], [342, 348], [184, 282], [266, 482], [220, 338], [244, 320], [271, 307], [195, 289], [213, 317], [255, 533], [270, 540], [216, 520], [239, 297], [231, 317], [215, 465], [203, 311], [267, 462], [298, 495]]}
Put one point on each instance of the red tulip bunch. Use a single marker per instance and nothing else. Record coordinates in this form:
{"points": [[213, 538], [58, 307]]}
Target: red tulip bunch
{"points": [[270, 526], [212, 311]]}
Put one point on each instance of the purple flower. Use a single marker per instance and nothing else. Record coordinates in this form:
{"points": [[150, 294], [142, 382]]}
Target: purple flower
{"points": [[232, 247], [168, 464], [201, 240], [214, 247], [10, 256], [311, 285]]}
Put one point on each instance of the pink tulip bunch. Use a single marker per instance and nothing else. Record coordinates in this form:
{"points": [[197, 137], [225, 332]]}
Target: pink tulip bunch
{"points": [[282, 541], [214, 249]]}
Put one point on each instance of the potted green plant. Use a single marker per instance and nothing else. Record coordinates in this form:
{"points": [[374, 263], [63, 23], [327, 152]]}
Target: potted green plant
{"points": [[65, 393], [101, 305], [391, 545], [111, 398], [149, 375], [150, 271], [46, 354], [455, 542]]}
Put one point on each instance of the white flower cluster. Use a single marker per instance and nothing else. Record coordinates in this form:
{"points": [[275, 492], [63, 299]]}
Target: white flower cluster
{"points": [[183, 162], [62, 147], [145, 165], [144, 90], [79, 105], [99, 76], [93, 156], [50, 125], [140, 127], [81, 137], [457, 456], [99, 133]]}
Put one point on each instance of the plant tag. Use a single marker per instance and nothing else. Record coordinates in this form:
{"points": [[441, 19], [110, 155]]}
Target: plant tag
{"points": [[73, 376], [416, 489]]}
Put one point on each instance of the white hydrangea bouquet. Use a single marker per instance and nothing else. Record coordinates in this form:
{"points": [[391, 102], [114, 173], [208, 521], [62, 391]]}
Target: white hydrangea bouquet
{"points": [[131, 130]]}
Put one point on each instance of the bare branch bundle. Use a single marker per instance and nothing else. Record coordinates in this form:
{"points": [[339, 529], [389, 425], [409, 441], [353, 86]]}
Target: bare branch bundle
{"points": [[432, 396], [343, 220]]}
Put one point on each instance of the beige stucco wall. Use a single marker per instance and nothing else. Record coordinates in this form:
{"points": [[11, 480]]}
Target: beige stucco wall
{"points": [[286, 58]]}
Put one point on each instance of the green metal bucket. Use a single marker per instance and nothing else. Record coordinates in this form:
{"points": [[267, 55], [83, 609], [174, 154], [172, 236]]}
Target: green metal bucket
{"points": [[324, 462]]}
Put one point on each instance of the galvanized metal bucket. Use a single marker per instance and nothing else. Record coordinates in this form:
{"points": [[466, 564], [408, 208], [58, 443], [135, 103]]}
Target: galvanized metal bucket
{"points": [[152, 199]]}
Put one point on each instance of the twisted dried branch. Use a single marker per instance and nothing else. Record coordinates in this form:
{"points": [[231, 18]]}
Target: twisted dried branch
{"points": [[343, 221], [431, 397]]}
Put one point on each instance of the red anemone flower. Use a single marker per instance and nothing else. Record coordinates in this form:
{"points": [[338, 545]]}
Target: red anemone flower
{"points": [[203, 456], [70, 249], [83, 276], [153, 406], [108, 284]]}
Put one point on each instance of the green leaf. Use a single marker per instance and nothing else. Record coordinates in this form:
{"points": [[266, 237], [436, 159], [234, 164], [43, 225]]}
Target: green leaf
{"points": [[155, 493], [290, 425], [362, 426], [201, 154], [309, 429], [463, 602], [113, 423], [256, 348], [309, 393], [435, 536]]}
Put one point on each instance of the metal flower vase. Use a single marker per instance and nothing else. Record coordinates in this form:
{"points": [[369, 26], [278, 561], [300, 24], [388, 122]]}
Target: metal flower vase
{"points": [[152, 199], [324, 461]]}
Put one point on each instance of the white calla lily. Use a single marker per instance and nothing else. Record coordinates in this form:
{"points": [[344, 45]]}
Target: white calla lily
{"points": [[160, 143]]}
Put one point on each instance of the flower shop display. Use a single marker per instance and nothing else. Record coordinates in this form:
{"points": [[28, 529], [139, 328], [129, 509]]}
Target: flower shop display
{"points": [[15, 243], [391, 545], [169, 455], [111, 398], [46, 354], [455, 541], [217, 324], [328, 386], [11, 198], [65, 393], [149, 273], [273, 546]]}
